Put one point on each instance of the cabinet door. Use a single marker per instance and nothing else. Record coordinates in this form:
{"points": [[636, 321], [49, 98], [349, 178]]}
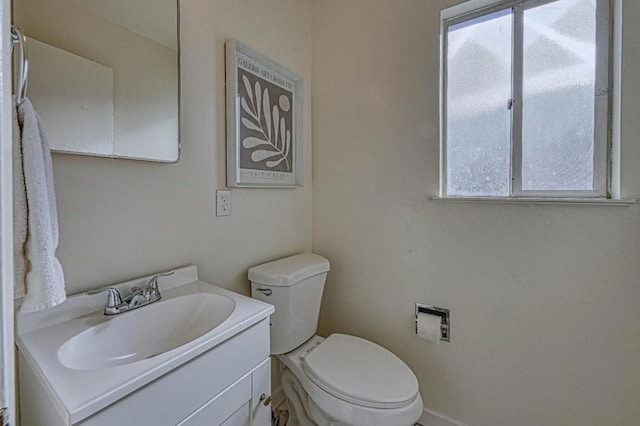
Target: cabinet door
{"points": [[226, 405], [191, 386], [261, 385], [240, 417]]}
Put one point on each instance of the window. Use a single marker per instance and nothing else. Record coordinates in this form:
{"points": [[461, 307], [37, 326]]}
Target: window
{"points": [[525, 99]]}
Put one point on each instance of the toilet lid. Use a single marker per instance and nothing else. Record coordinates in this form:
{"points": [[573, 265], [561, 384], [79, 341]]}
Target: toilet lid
{"points": [[360, 372]]}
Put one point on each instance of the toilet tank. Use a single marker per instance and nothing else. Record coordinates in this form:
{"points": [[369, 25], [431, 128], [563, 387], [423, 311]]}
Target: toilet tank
{"points": [[294, 286]]}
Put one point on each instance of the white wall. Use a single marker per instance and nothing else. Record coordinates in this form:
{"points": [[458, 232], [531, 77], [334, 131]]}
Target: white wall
{"points": [[545, 300], [120, 219]]}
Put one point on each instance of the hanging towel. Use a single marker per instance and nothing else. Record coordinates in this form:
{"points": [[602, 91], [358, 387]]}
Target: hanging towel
{"points": [[45, 285], [19, 212]]}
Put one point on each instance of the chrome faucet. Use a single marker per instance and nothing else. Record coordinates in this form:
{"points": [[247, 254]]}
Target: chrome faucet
{"points": [[114, 302], [138, 298]]}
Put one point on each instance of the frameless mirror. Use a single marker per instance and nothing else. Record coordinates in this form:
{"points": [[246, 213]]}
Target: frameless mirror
{"points": [[103, 75]]}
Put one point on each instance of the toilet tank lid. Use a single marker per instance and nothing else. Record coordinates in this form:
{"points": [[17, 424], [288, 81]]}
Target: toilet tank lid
{"points": [[289, 271]]}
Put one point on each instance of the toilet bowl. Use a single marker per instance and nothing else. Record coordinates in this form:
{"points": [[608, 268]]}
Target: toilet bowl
{"points": [[349, 381], [334, 381]]}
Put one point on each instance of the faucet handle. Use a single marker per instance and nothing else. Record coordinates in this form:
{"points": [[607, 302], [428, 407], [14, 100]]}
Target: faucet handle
{"points": [[153, 281], [115, 298]]}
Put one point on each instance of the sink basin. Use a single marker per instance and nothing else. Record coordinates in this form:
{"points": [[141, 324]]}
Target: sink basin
{"points": [[145, 332], [82, 361]]}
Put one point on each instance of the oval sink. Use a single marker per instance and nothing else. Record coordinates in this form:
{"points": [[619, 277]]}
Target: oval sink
{"points": [[145, 332]]}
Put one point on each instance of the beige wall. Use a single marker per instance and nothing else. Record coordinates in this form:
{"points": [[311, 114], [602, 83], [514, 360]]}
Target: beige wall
{"points": [[120, 219], [545, 300]]}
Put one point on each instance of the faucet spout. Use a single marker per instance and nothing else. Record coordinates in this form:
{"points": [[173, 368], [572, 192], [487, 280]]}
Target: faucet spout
{"points": [[137, 299]]}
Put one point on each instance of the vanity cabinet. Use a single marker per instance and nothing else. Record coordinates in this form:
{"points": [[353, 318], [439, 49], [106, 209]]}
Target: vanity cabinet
{"points": [[222, 386]]}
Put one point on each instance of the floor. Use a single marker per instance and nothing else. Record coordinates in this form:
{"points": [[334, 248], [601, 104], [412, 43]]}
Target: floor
{"points": [[280, 416]]}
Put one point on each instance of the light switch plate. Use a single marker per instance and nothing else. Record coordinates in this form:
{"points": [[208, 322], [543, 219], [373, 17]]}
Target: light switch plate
{"points": [[223, 202]]}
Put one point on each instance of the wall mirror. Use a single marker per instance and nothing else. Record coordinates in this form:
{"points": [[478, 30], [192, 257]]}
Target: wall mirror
{"points": [[104, 75]]}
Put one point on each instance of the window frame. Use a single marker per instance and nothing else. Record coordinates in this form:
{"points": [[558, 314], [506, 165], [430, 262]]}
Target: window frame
{"points": [[602, 164]]}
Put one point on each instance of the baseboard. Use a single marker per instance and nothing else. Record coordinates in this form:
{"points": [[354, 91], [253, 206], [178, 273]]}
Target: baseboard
{"points": [[433, 418]]}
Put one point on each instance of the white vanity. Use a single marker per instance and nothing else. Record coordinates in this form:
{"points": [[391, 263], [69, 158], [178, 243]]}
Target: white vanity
{"points": [[199, 356]]}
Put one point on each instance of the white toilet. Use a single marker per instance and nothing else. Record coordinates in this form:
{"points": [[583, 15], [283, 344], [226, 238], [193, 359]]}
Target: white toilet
{"points": [[334, 381]]}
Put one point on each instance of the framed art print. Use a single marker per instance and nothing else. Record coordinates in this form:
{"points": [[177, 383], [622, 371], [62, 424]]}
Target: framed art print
{"points": [[264, 121]]}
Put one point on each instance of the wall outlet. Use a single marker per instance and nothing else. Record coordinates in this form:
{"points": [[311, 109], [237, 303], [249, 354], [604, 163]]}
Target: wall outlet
{"points": [[223, 202]]}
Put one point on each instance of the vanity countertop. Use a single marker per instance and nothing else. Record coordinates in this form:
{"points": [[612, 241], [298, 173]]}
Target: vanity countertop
{"points": [[77, 394]]}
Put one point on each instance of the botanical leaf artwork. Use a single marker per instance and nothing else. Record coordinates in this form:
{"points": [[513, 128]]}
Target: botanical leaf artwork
{"points": [[266, 119]]}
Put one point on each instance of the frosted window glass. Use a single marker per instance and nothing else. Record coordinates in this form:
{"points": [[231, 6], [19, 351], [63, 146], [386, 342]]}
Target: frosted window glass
{"points": [[478, 120], [559, 87]]}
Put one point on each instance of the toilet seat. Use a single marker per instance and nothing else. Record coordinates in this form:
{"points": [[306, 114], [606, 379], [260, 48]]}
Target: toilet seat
{"points": [[333, 404], [360, 372]]}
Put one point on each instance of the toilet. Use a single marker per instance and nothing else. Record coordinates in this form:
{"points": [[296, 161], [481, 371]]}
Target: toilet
{"points": [[340, 380]]}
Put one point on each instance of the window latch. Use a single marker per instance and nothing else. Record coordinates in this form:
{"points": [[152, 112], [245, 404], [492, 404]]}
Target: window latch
{"points": [[510, 103]]}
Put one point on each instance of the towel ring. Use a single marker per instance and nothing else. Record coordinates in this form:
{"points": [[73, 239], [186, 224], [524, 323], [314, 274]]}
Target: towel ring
{"points": [[18, 38]]}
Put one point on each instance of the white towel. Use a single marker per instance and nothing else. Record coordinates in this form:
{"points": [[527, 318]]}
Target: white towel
{"points": [[45, 286], [19, 212]]}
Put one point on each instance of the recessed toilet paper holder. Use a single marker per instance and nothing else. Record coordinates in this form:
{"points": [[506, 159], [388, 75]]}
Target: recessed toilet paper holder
{"points": [[445, 330]]}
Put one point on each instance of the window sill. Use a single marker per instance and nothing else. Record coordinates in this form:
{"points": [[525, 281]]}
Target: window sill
{"points": [[526, 200]]}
